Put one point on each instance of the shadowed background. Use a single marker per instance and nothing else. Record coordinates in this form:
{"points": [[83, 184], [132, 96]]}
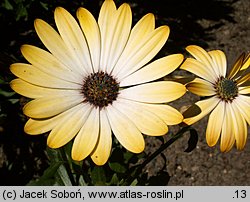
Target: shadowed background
{"points": [[212, 24]]}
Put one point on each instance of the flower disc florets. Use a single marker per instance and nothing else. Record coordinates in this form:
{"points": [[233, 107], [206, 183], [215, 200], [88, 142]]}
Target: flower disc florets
{"points": [[100, 89], [226, 89]]}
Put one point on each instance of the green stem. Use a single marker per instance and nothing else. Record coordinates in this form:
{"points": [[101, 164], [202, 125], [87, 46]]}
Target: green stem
{"points": [[137, 171]]}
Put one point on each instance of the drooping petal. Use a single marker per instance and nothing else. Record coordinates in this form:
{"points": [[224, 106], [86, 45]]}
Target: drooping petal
{"points": [[198, 68], [246, 62], [239, 126], [154, 70], [51, 105], [147, 122], [137, 55], [54, 43], [206, 106], [201, 87], [106, 21], [91, 31], [237, 66], [73, 38], [32, 91], [220, 61], [214, 125], [120, 35], [48, 64], [39, 126], [243, 79], [68, 127], [87, 138], [202, 56], [34, 76], [102, 150], [125, 130], [156, 92]]}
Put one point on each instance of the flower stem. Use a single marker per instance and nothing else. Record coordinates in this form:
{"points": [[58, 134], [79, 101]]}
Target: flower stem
{"points": [[137, 171]]}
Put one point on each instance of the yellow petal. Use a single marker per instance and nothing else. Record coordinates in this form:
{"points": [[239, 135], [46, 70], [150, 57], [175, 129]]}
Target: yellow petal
{"points": [[140, 32], [91, 31], [33, 91], [227, 133], [206, 106], [106, 20], [214, 125], [68, 126], [125, 131], [246, 62], [220, 61], [237, 66], [51, 105], [154, 70], [39, 126], [244, 90], [201, 87], [244, 108], [120, 35], [138, 54], [53, 41], [142, 28], [168, 114], [48, 64], [73, 38], [34, 76], [156, 92], [198, 68], [202, 56], [243, 79], [239, 126], [147, 122], [102, 150], [87, 138]]}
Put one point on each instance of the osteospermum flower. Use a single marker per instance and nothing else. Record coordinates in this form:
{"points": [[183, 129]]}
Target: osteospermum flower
{"points": [[95, 80], [227, 99]]}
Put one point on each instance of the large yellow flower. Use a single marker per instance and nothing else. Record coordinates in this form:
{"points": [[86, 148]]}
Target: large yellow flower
{"points": [[95, 80], [228, 101]]}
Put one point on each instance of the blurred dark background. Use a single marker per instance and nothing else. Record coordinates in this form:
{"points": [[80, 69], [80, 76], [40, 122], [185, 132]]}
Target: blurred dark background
{"points": [[23, 157]]}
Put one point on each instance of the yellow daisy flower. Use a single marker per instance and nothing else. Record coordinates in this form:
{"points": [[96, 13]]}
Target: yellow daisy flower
{"points": [[228, 101], [94, 80]]}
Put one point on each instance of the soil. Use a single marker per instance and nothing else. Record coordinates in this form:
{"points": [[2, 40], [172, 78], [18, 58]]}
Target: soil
{"points": [[212, 24], [204, 165]]}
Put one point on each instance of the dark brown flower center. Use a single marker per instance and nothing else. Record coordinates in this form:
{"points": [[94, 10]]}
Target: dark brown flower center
{"points": [[226, 89], [100, 89]]}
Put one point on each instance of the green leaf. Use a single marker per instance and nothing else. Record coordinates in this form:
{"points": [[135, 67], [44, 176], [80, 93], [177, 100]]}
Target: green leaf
{"points": [[48, 177], [64, 177], [7, 5], [134, 183], [81, 181], [98, 176], [114, 180], [62, 173], [21, 12], [117, 167], [45, 5], [6, 94]]}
